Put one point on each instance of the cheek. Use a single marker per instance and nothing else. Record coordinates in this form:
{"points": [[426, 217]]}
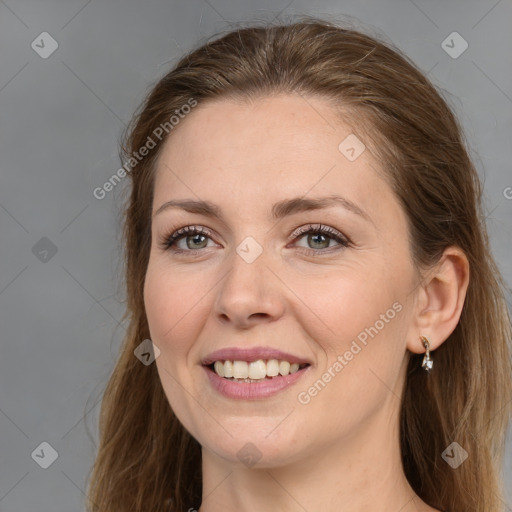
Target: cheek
{"points": [[371, 342], [364, 345], [342, 304], [171, 307]]}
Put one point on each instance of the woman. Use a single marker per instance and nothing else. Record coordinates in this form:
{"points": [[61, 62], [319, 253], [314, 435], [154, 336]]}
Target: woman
{"points": [[306, 251]]}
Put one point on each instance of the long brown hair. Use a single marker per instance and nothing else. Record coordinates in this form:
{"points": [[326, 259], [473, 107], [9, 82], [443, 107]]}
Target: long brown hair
{"points": [[146, 460]]}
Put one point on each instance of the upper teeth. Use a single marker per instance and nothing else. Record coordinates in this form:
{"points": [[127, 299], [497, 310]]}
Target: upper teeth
{"points": [[255, 369]]}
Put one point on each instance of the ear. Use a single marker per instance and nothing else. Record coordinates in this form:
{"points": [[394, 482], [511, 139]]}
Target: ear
{"points": [[439, 301]]}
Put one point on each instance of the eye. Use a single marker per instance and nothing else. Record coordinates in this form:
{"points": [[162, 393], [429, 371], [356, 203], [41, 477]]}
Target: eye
{"points": [[195, 239], [319, 238]]}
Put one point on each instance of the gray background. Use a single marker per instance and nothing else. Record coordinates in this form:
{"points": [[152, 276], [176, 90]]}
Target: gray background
{"points": [[61, 120]]}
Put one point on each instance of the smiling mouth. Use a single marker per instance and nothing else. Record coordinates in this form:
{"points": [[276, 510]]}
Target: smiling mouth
{"points": [[254, 371]]}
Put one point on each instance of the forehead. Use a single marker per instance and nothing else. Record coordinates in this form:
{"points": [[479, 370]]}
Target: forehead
{"points": [[280, 127], [267, 149]]}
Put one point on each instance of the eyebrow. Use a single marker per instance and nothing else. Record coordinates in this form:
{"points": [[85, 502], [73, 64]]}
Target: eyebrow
{"points": [[279, 210]]}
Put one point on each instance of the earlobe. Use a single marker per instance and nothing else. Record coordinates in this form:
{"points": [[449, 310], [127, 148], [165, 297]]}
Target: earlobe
{"points": [[441, 302]]}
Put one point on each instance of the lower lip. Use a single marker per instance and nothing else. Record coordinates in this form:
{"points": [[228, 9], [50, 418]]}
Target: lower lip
{"points": [[253, 390]]}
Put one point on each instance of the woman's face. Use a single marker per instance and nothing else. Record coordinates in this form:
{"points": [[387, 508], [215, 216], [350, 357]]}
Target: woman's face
{"points": [[255, 284]]}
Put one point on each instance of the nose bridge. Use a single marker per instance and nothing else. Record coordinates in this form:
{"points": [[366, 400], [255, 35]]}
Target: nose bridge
{"points": [[247, 288], [247, 266]]}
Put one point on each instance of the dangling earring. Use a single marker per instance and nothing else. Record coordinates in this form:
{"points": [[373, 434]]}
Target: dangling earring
{"points": [[427, 361]]}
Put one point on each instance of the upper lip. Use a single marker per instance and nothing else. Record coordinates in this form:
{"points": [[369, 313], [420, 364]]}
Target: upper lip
{"points": [[251, 354]]}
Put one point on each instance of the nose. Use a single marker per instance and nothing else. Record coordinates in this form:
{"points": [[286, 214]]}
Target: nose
{"points": [[249, 293]]}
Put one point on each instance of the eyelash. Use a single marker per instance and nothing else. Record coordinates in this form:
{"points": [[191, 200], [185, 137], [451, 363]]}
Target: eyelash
{"points": [[168, 241]]}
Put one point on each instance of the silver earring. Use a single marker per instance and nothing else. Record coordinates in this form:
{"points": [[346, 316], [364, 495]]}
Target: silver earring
{"points": [[427, 361]]}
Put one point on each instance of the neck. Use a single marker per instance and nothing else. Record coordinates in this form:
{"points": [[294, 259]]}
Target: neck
{"points": [[360, 473]]}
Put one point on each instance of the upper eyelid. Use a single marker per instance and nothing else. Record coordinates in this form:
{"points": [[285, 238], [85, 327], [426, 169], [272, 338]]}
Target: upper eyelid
{"points": [[183, 231], [316, 226]]}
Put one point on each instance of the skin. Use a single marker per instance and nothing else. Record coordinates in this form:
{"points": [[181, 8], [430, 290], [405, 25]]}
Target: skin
{"points": [[341, 450]]}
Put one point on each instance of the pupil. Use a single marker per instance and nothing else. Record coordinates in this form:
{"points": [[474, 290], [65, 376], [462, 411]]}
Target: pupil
{"points": [[311, 237], [316, 239], [195, 239]]}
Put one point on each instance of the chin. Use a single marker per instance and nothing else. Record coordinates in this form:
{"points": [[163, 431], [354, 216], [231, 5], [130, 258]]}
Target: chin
{"points": [[254, 449]]}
